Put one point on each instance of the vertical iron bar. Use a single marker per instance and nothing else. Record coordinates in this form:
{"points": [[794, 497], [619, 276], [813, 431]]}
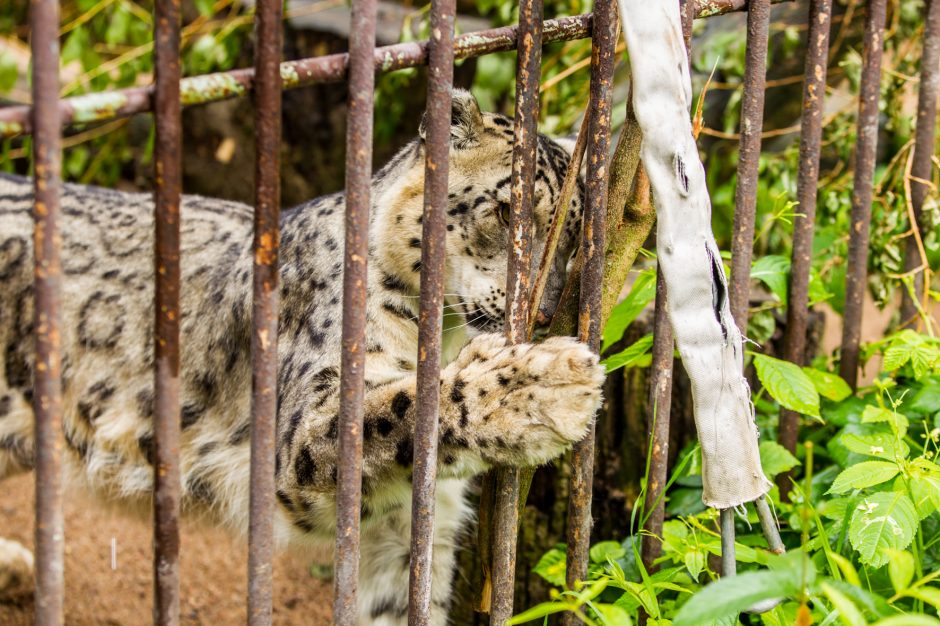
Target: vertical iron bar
{"points": [[924, 138], [745, 196], [522, 190], [768, 523], [167, 155], [814, 94], [658, 421], [47, 276], [352, 371], [430, 315], [603, 57], [264, 313], [865, 154], [729, 564]]}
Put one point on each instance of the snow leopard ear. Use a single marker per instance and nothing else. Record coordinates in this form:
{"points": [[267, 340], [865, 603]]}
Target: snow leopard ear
{"points": [[466, 121]]}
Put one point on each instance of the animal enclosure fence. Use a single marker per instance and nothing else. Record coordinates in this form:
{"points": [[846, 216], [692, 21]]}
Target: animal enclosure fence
{"points": [[47, 115]]}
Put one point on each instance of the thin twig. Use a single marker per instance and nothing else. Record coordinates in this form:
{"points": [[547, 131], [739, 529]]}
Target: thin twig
{"points": [[915, 227], [559, 215]]}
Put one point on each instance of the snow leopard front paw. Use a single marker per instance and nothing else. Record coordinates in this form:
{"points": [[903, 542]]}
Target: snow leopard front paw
{"points": [[525, 404], [16, 570]]}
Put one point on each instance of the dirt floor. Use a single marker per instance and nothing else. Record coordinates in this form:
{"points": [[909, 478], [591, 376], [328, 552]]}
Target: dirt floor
{"points": [[213, 576]]}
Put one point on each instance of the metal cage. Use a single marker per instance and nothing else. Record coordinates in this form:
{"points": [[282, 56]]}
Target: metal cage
{"points": [[45, 118]]}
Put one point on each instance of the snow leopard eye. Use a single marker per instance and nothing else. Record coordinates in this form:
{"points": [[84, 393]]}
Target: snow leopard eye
{"points": [[503, 211]]}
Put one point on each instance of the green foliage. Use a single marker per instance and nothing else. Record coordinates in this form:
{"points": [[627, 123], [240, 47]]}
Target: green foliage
{"points": [[788, 384], [107, 45], [862, 532]]}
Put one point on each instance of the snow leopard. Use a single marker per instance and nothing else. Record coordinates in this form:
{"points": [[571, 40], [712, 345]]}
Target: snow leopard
{"points": [[501, 404]]}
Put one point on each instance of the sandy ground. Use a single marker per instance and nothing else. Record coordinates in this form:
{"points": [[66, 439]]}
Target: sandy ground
{"points": [[213, 570]]}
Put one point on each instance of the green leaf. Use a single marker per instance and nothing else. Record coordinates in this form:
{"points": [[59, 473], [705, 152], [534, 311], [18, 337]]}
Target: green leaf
{"points": [[613, 615], [848, 570], [927, 400], [875, 414], [685, 501], [622, 315], [882, 520], [930, 595], [829, 385], [881, 445], [896, 356], [775, 459], [637, 355], [537, 611], [908, 620], [871, 602], [773, 270], [74, 44], [848, 612], [118, 25], [204, 6], [817, 289], [729, 596], [923, 361], [900, 569], [9, 71], [787, 384], [600, 551], [551, 567], [694, 562], [925, 486], [864, 474]]}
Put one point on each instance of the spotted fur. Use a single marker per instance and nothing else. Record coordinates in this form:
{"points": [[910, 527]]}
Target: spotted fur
{"points": [[501, 404]]}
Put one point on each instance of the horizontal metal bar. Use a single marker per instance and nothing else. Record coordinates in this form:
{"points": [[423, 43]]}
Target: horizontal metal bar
{"points": [[97, 107]]}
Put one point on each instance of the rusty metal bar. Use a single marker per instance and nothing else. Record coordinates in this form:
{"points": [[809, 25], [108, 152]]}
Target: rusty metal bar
{"points": [[166, 422], [603, 58], [47, 276], [814, 94], [924, 137], [431, 311], [658, 423], [522, 192], [745, 196], [729, 563], [352, 376], [865, 154], [96, 107], [264, 312]]}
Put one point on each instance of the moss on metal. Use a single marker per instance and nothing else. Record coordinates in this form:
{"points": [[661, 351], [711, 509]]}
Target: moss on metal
{"points": [[200, 89], [96, 106]]}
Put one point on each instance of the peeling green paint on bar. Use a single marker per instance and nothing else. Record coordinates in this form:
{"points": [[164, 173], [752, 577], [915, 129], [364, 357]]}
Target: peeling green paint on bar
{"points": [[96, 106], [708, 9], [14, 120], [9, 129], [211, 87], [289, 76]]}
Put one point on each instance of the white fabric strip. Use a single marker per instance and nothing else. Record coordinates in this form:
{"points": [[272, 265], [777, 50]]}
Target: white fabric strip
{"points": [[708, 339]]}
